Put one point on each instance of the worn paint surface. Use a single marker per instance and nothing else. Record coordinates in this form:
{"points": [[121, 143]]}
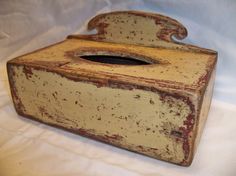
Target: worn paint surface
{"points": [[139, 118], [139, 28], [169, 67], [157, 109]]}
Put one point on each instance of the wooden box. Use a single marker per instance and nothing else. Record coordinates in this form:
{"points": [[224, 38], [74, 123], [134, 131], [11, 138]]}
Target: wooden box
{"points": [[130, 85]]}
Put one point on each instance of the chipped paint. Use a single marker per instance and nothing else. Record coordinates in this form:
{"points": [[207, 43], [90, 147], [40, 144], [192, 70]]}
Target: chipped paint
{"points": [[139, 28], [105, 112]]}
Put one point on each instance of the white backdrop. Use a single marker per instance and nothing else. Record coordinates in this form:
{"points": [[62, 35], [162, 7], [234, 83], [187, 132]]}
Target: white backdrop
{"points": [[31, 148]]}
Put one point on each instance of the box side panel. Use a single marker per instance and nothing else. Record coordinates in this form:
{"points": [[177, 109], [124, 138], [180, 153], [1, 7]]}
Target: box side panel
{"points": [[206, 103], [148, 122]]}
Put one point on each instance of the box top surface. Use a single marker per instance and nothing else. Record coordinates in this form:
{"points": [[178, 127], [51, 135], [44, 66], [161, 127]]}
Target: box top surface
{"points": [[133, 34], [176, 69]]}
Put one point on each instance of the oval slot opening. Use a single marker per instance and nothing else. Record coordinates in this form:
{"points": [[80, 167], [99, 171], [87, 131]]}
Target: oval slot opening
{"points": [[119, 60]]}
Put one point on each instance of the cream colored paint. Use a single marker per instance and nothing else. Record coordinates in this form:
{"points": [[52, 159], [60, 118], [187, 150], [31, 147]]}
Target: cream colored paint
{"points": [[123, 33], [176, 66], [131, 29], [205, 108], [112, 103]]}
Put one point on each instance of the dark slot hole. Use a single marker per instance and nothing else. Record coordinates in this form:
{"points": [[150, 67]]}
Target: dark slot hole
{"points": [[120, 60]]}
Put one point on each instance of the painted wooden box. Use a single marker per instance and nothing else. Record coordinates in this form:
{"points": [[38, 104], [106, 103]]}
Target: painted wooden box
{"points": [[130, 85]]}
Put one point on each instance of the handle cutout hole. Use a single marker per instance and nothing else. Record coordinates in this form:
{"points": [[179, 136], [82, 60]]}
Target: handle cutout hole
{"points": [[119, 60]]}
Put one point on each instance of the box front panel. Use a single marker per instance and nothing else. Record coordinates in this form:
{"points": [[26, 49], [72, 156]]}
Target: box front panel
{"points": [[150, 122]]}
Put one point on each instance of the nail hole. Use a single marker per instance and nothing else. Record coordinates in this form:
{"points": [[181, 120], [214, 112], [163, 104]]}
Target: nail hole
{"points": [[176, 133]]}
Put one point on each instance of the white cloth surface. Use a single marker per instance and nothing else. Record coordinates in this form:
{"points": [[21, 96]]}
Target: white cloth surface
{"points": [[31, 148]]}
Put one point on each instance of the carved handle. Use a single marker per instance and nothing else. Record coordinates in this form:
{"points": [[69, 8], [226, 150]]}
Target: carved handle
{"points": [[135, 27], [139, 28], [142, 22]]}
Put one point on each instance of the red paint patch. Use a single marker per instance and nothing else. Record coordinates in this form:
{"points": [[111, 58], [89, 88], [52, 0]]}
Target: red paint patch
{"points": [[27, 71], [188, 124], [114, 138]]}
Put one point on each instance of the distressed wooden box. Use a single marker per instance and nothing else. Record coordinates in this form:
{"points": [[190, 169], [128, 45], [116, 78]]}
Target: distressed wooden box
{"points": [[130, 85]]}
